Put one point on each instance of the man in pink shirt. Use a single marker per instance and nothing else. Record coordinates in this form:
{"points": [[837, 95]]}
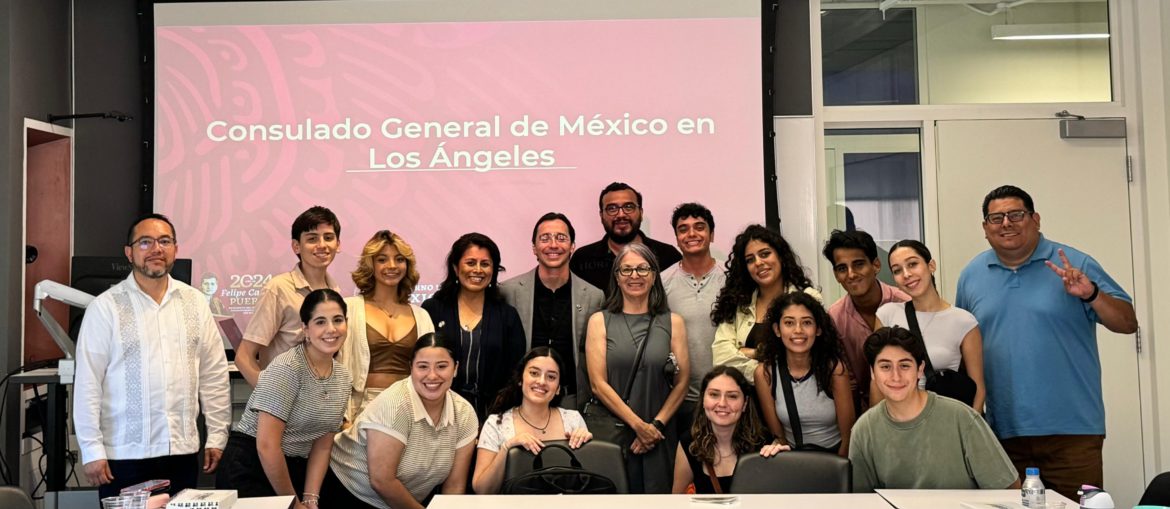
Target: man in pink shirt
{"points": [[854, 256]]}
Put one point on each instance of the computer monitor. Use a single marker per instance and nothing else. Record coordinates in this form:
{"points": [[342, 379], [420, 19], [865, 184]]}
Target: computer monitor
{"points": [[96, 274]]}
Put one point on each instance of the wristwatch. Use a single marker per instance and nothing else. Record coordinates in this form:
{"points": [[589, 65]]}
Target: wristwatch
{"points": [[659, 425]]}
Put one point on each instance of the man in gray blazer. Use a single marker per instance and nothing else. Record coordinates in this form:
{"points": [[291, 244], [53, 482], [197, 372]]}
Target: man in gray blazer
{"points": [[555, 305]]}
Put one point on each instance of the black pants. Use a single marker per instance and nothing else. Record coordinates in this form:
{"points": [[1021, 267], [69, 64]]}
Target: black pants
{"points": [[241, 469], [335, 494], [182, 471]]}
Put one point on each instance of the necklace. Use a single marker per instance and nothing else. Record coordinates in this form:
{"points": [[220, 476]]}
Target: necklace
{"points": [[386, 310], [799, 379], [533, 426], [930, 316], [320, 379]]}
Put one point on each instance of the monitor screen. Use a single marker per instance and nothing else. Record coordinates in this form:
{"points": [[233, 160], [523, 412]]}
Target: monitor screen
{"points": [[437, 118]]}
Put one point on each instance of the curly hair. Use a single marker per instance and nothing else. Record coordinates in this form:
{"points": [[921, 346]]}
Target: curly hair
{"points": [[511, 395], [749, 434], [363, 275], [737, 292], [826, 351]]}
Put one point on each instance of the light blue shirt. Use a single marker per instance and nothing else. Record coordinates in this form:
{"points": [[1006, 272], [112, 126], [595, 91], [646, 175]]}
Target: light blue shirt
{"points": [[1040, 359]]}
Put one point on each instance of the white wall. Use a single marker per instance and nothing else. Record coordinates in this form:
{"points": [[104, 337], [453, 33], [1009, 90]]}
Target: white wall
{"points": [[796, 186], [1154, 134], [964, 65]]}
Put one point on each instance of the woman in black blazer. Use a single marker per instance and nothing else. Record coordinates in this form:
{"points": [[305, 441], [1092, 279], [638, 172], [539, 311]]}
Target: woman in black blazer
{"points": [[468, 306]]}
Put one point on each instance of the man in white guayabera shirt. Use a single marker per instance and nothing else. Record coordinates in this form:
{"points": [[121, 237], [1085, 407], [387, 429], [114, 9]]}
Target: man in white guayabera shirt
{"points": [[149, 358]]}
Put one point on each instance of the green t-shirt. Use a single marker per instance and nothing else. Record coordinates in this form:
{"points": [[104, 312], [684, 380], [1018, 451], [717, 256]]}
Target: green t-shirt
{"points": [[948, 446]]}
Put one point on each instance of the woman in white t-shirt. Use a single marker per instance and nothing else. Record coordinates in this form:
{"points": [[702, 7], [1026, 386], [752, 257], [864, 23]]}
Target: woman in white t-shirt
{"points": [[951, 334], [526, 413]]}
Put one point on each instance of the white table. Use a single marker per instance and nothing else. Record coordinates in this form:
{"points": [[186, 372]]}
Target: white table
{"points": [[821, 501], [277, 502], [954, 499]]}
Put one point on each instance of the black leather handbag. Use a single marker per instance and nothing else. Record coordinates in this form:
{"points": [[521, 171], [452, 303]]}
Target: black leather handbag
{"points": [[944, 382], [559, 480]]}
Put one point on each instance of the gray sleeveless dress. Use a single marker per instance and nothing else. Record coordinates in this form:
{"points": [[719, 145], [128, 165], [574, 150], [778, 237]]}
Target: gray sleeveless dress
{"points": [[651, 472]]}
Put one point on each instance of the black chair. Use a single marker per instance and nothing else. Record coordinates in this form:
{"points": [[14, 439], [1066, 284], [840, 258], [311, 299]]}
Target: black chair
{"points": [[12, 497], [1158, 492], [793, 472], [596, 456]]}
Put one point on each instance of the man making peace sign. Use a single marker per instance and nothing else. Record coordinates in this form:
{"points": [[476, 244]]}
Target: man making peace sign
{"points": [[1038, 303]]}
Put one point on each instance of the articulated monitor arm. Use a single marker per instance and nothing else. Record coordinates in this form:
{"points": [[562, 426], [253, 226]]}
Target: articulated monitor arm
{"points": [[49, 289]]}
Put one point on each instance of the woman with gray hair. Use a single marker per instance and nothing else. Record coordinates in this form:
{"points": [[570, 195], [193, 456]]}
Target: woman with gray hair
{"points": [[635, 335]]}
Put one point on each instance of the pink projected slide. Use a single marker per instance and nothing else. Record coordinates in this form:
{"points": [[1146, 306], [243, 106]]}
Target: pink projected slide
{"points": [[433, 130]]}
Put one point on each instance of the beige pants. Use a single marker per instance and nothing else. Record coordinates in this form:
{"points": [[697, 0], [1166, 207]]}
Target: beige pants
{"points": [[367, 397]]}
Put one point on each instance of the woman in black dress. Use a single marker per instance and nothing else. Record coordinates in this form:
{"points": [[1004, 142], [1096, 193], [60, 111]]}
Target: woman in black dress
{"points": [[726, 427], [468, 306]]}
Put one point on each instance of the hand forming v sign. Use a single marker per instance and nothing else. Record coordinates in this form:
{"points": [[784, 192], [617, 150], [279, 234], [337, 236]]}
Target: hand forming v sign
{"points": [[1075, 281]]}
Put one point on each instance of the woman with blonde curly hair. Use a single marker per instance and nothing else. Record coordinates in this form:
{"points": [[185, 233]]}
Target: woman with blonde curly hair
{"points": [[383, 325]]}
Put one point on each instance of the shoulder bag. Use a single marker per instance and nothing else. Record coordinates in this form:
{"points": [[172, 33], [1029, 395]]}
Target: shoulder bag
{"points": [[945, 382], [602, 422], [783, 377]]}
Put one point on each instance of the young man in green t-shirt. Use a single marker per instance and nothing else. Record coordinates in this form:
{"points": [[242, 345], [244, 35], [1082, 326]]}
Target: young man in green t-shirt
{"points": [[915, 439]]}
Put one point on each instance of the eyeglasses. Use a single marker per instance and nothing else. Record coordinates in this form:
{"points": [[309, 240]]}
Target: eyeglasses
{"points": [[613, 208], [1014, 216], [147, 243], [546, 238], [642, 271]]}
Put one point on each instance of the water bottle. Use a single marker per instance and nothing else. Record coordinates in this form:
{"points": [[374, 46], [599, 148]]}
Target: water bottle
{"points": [[1032, 492]]}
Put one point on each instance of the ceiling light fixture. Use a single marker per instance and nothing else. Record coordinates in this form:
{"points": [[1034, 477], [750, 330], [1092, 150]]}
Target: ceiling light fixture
{"points": [[1051, 31]]}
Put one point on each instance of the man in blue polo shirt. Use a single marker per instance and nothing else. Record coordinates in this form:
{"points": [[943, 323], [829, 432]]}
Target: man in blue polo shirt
{"points": [[1038, 303]]}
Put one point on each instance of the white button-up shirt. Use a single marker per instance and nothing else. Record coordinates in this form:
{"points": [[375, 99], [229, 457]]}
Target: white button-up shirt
{"points": [[144, 370]]}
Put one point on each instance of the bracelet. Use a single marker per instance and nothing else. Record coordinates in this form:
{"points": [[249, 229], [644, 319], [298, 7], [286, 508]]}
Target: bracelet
{"points": [[659, 425], [1093, 296], [310, 498]]}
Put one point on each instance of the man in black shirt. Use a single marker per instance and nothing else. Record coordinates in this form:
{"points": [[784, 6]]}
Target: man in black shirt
{"points": [[555, 305], [620, 208]]}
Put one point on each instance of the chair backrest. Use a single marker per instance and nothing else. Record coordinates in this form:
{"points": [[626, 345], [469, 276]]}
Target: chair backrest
{"points": [[596, 456], [1158, 492], [12, 497], [793, 472]]}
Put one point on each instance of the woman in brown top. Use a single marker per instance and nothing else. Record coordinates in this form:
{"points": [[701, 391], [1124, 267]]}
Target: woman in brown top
{"points": [[383, 325]]}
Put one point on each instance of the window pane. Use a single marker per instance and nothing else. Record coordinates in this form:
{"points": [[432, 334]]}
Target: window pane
{"points": [[868, 58], [968, 54], [875, 184]]}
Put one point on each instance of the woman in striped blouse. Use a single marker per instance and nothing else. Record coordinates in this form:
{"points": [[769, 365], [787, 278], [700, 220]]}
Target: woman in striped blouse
{"points": [[416, 436], [282, 443]]}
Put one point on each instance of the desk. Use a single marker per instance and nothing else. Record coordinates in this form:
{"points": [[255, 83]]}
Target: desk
{"points": [[278, 502], [953, 499], [825, 501], [53, 429]]}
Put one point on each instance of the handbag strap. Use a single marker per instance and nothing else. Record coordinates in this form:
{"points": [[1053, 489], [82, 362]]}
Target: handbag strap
{"points": [[637, 357], [785, 379], [714, 480], [912, 319], [538, 460]]}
